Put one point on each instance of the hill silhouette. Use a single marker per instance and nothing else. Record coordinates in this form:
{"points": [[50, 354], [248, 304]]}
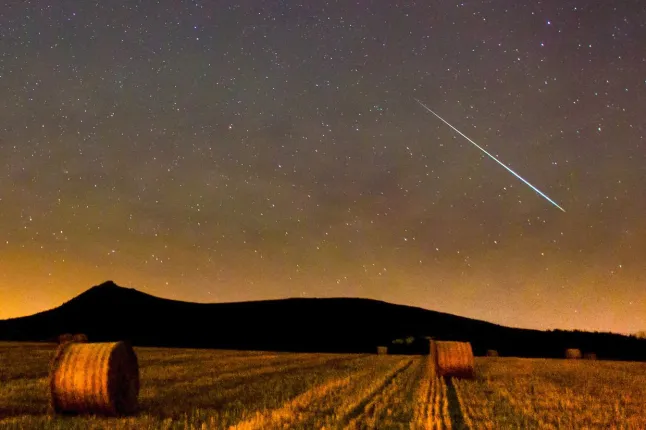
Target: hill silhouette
{"points": [[110, 312]]}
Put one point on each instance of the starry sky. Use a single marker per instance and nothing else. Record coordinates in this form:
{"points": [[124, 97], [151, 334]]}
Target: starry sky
{"points": [[253, 149]]}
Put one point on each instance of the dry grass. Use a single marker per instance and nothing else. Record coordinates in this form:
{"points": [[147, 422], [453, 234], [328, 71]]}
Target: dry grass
{"points": [[98, 378], [543, 393], [195, 389]]}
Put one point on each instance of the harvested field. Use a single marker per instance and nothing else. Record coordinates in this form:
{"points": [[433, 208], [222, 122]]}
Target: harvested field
{"points": [[194, 389], [548, 393]]}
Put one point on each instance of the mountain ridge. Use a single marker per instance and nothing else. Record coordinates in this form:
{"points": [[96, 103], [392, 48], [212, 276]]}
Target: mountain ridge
{"points": [[110, 312]]}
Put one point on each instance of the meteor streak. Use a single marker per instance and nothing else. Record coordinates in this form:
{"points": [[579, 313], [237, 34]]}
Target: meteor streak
{"points": [[491, 156]]}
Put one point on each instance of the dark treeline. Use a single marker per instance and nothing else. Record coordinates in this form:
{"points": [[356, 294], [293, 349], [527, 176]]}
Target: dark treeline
{"points": [[109, 312]]}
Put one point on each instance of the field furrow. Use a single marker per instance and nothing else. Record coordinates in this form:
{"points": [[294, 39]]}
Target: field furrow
{"points": [[305, 406], [466, 412], [320, 406], [443, 401], [391, 407], [236, 394], [361, 396], [423, 396], [430, 410]]}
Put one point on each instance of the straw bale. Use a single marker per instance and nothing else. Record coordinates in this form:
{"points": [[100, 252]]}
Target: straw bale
{"points": [[590, 356], [492, 353], [453, 359], [80, 337], [382, 350], [64, 338], [573, 353], [98, 378]]}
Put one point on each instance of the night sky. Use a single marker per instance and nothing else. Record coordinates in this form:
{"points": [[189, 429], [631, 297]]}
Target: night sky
{"points": [[244, 150]]}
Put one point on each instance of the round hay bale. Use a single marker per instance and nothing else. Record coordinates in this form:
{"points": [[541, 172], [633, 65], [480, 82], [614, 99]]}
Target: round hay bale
{"points": [[80, 337], [573, 353], [64, 338], [492, 353], [99, 378], [453, 359]]}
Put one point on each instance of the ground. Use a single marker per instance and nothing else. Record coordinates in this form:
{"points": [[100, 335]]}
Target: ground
{"points": [[202, 389]]}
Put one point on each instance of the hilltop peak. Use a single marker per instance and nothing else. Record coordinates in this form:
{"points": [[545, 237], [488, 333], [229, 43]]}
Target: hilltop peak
{"points": [[107, 284], [110, 288], [106, 294]]}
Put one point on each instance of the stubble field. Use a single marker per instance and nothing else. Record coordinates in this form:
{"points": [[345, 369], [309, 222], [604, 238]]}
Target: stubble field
{"points": [[214, 389]]}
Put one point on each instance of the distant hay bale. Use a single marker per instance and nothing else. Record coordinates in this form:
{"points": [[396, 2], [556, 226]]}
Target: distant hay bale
{"points": [[80, 338], [453, 359], [590, 356], [382, 350], [492, 353], [98, 378], [64, 338], [573, 353]]}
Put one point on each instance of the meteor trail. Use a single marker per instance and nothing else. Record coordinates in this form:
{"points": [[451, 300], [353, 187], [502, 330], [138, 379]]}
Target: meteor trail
{"points": [[491, 156]]}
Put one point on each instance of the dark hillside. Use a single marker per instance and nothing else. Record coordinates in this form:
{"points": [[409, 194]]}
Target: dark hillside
{"points": [[109, 312]]}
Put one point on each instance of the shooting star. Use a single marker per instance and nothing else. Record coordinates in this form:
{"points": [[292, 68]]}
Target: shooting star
{"points": [[492, 157]]}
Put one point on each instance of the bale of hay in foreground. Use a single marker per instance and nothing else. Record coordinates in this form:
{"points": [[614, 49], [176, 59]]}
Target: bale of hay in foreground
{"points": [[453, 359], [382, 350], [573, 353], [590, 356], [79, 337], [64, 338], [99, 378], [492, 353]]}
